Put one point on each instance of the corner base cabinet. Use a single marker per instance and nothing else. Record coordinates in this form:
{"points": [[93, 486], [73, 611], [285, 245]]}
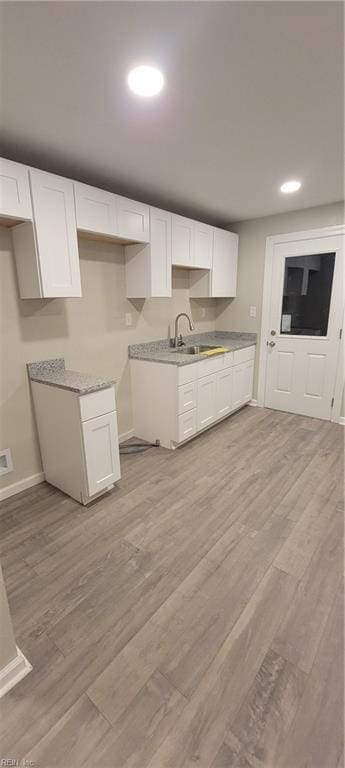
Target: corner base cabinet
{"points": [[78, 440], [174, 403]]}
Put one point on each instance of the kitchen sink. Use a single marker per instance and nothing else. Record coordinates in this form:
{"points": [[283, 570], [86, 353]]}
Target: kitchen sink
{"points": [[196, 350]]}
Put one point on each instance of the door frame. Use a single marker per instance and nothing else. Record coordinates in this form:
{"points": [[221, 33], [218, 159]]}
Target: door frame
{"points": [[271, 242]]}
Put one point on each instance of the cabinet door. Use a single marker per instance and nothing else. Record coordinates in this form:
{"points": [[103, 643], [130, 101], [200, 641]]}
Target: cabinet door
{"points": [[224, 264], [248, 375], [203, 244], [133, 220], [242, 383], [182, 241], [223, 392], [206, 402], [56, 234], [237, 385], [15, 201], [160, 245], [101, 452], [95, 210]]}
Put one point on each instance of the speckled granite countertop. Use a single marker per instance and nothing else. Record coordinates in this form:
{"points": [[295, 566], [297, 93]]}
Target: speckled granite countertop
{"points": [[161, 352], [54, 373]]}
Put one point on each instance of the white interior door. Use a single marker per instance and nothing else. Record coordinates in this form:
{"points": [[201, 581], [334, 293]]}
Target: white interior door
{"points": [[306, 307]]}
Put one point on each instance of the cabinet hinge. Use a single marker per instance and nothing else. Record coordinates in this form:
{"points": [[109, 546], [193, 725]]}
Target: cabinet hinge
{"points": [[340, 333], [332, 402]]}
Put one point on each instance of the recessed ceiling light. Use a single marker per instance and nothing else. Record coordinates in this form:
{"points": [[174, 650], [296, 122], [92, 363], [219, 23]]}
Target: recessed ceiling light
{"points": [[145, 81], [290, 186]]}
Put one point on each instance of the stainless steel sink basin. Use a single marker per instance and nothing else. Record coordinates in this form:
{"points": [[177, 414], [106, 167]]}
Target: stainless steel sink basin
{"points": [[196, 350]]}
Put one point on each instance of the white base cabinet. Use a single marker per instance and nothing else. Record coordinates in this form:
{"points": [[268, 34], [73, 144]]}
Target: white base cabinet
{"points": [[174, 403], [78, 439]]}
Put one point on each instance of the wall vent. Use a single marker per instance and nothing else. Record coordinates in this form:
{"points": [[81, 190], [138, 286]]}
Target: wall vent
{"points": [[6, 463]]}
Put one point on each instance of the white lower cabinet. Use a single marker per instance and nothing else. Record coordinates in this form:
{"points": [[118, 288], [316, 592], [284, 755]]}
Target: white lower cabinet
{"points": [[242, 383], [186, 426], [78, 439], [224, 402], [206, 405], [101, 461], [172, 404], [187, 397]]}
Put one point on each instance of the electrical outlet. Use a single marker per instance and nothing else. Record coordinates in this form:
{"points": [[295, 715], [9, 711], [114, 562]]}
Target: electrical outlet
{"points": [[203, 312], [128, 318], [252, 311], [6, 463]]}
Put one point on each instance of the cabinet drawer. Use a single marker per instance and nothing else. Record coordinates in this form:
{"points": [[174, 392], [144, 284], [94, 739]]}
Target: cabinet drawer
{"points": [[187, 397], [97, 403], [186, 425], [186, 373], [242, 355], [210, 365]]}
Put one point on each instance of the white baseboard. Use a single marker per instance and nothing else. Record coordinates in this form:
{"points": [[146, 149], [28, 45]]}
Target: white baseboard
{"points": [[341, 420], [14, 672], [21, 485], [253, 402], [126, 435]]}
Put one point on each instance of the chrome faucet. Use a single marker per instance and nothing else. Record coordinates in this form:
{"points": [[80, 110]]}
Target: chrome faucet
{"points": [[177, 341]]}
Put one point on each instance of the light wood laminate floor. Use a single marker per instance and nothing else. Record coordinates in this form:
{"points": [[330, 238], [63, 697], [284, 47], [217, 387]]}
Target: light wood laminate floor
{"points": [[194, 616]]}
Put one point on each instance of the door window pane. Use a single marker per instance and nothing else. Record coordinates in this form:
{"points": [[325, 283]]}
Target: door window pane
{"points": [[307, 294]]}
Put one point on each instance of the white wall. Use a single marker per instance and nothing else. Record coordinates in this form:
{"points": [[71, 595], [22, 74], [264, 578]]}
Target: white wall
{"points": [[89, 332], [234, 313]]}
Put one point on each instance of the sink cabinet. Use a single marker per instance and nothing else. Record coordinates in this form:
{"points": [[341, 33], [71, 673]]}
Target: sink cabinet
{"points": [[174, 403]]}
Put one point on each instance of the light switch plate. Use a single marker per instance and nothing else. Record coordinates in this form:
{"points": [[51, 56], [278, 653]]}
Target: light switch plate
{"points": [[252, 311], [128, 318]]}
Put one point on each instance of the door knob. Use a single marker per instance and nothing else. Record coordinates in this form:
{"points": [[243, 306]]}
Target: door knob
{"points": [[271, 343], [273, 333]]}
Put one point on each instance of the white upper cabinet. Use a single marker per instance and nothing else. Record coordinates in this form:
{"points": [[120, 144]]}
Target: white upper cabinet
{"points": [[96, 210], [161, 246], [224, 266], [133, 220], [47, 252], [192, 243], [15, 201], [148, 267], [182, 241], [203, 245], [221, 280]]}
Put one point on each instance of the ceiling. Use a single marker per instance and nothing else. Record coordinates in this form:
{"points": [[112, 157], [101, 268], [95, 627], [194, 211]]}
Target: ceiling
{"points": [[253, 96]]}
